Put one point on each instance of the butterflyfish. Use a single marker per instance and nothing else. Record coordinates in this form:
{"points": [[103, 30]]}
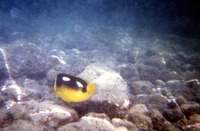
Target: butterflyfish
{"points": [[73, 89]]}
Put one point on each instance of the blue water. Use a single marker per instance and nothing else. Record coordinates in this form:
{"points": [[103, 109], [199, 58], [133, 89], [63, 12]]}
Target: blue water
{"points": [[152, 45]]}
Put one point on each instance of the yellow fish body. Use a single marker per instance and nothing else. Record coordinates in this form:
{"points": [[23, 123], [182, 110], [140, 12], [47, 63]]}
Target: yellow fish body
{"points": [[73, 89]]}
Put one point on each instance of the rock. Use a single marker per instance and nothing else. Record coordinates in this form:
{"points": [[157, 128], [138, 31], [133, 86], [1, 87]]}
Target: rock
{"points": [[2, 99], [174, 83], [173, 105], [141, 98], [156, 61], [190, 109], [119, 124], [31, 94], [128, 56], [192, 127], [194, 61], [159, 122], [176, 63], [23, 125], [124, 123], [128, 72], [6, 119], [89, 123], [182, 90], [190, 75], [138, 108], [172, 128], [160, 83], [140, 120], [45, 114], [27, 89], [51, 75], [27, 60], [31, 89], [193, 84], [98, 115], [141, 87], [173, 115], [165, 92], [157, 101], [149, 73], [138, 115], [56, 115], [111, 95], [122, 128], [194, 119], [194, 88], [106, 81], [8, 92], [181, 100]]}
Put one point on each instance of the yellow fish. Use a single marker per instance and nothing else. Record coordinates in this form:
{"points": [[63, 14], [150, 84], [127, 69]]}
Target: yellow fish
{"points": [[73, 89]]}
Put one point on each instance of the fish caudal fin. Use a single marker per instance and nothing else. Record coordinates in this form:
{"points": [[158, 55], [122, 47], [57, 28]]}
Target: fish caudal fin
{"points": [[91, 89]]}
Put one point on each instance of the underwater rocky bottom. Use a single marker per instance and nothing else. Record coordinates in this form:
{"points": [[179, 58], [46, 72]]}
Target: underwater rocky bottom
{"points": [[152, 89]]}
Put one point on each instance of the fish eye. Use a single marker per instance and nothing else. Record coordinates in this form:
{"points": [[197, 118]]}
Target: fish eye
{"points": [[79, 84], [64, 78]]}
